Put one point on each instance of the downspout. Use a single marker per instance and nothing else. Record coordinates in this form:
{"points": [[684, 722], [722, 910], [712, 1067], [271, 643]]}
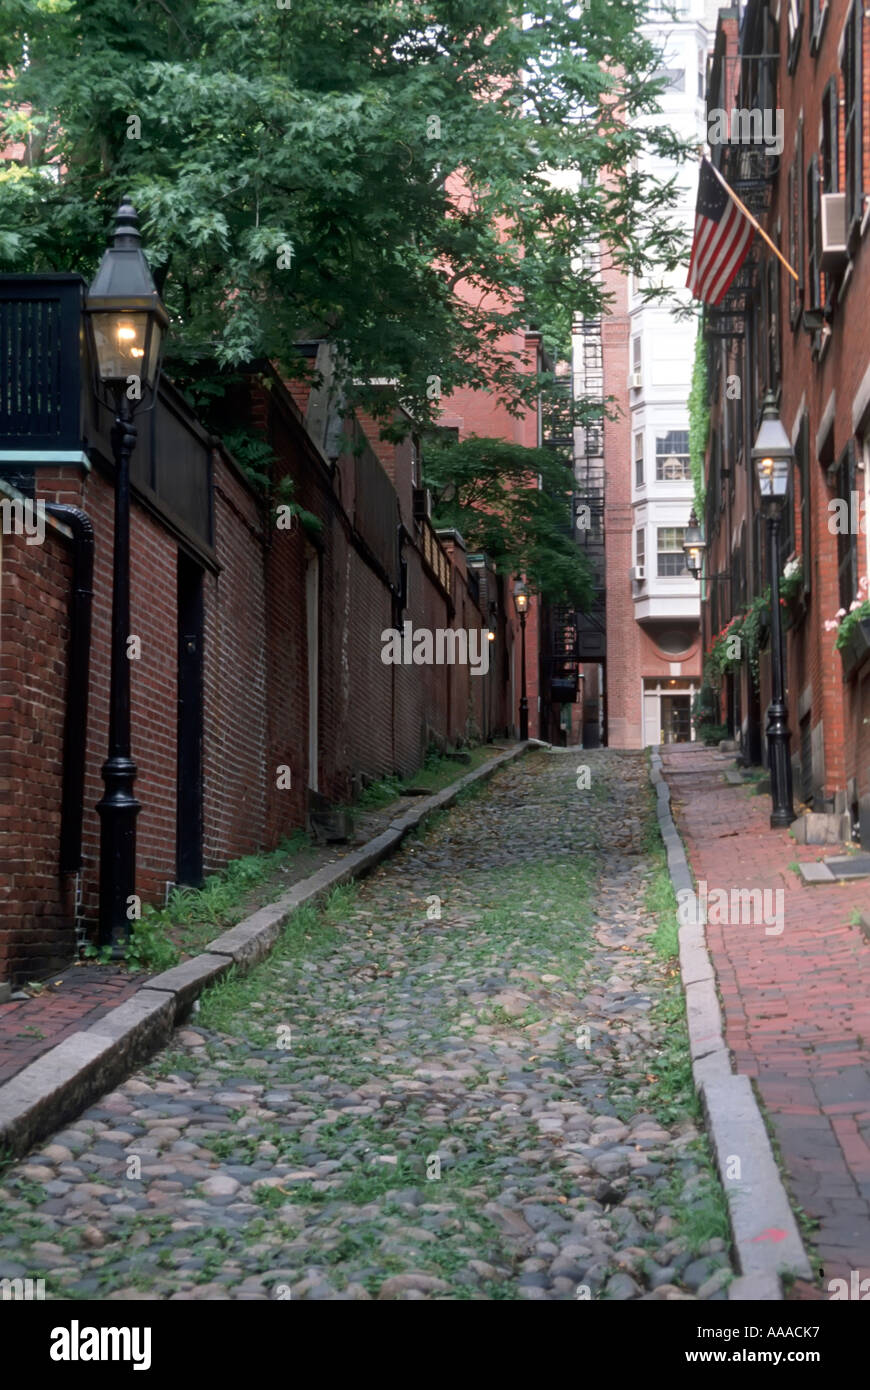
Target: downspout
{"points": [[78, 670]]}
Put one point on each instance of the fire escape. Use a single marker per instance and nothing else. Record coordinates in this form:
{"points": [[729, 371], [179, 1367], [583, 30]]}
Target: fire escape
{"points": [[559, 645], [750, 167], [589, 471]]}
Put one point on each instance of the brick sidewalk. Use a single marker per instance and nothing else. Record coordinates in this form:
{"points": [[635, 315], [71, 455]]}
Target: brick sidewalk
{"points": [[73, 999], [796, 1006]]}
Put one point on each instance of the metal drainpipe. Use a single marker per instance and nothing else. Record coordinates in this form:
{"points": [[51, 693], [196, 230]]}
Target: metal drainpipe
{"points": [[78, 669]]}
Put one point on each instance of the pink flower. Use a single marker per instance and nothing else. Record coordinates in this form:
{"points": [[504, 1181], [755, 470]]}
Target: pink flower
{"points": [[831, 624], [840, 613], [862, 584], [856, 603]]}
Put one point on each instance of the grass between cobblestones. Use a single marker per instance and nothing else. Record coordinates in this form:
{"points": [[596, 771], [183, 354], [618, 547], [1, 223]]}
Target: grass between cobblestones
{"points": [[430, 1025]]}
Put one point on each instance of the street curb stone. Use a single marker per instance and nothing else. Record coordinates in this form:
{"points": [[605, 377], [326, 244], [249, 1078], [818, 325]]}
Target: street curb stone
{"points": [[187, 980], [765, 1231], [61, 1082], [64, 1081], [765, 1235]]}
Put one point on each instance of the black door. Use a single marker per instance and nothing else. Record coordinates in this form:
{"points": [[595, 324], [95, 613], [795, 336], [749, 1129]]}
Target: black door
{"points": [[188, 819]]}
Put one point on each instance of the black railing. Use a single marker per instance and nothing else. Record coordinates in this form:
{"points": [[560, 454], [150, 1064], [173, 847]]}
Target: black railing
{"points": [[49, 415], [40, 348], [561, 657]]}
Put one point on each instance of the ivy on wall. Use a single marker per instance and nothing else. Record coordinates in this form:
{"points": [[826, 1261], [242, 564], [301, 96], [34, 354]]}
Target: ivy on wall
{"points": [[699, 420]]}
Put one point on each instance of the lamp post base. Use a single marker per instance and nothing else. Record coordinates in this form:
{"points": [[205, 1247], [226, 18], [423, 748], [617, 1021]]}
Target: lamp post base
{"points": [[524, 721], [117, 810], [778, 739]]}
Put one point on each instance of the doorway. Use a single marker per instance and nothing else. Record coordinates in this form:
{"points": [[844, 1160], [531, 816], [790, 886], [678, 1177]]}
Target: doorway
{"points": [[312, 624], [188, 815], [676, 718]]}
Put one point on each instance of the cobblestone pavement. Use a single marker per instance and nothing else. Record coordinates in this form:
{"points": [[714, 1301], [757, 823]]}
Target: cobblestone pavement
{"points": [[74, 998], [796, 1003], [467, 1078]]}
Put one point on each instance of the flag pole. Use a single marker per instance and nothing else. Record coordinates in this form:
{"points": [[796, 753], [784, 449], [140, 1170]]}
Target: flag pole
{"points": [[746, 213]]}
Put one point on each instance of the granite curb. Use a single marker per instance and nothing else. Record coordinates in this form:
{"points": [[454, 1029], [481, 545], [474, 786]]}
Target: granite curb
{"points": [[60, 1084], [765, 1235]]}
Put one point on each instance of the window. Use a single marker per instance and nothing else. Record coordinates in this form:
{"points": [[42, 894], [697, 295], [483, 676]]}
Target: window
{"points": [[786, 525], [636, 359], [865, 461], [416, 469], [675, 78], [852, 74], [670, 550], [814, 215], [738, 580], [640, 546], [830, 142], [638, 460], [796, 228], [773, 274], [795, 24], [672, 456], [702, 72], [802, 464], [847, 541]]}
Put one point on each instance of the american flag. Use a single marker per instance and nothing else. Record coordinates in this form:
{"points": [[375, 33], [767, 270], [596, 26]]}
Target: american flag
{"points": [[723, 235]]}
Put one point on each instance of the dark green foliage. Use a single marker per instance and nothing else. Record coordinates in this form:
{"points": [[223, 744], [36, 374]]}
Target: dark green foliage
{"points": [[323, 133], [486, 488]]}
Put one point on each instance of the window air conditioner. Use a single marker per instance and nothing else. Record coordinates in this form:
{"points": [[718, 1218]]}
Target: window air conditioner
{"points": [[832, 239], [422, 507], [635, 381], [638, 572]]}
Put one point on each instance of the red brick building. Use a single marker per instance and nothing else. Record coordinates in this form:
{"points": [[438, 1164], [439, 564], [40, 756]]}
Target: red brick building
{"points": [[807, 342], [479, 413]]}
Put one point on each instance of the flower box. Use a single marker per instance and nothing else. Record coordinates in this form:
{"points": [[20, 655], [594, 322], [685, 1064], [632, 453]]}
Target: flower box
{"points": [[857, 649], [795, 612]]}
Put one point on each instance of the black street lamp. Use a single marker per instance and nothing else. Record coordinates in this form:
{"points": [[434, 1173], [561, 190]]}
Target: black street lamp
{"points": [[127, 323], [773, 456], [694, 546], [521, 599]]}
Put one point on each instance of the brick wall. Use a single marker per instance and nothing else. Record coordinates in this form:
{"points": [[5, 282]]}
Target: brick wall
{"points": [[374, 719], [34, 903], [816, 372]]}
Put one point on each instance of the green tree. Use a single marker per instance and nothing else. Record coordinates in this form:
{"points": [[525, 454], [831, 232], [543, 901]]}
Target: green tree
{"points": [[291, 161], [486, 489]]}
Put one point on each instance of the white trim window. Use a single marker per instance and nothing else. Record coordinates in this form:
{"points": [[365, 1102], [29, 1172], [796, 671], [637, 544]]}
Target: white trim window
{"points": [[639, 476], [671, 557], [672, 457], [866, 510]]}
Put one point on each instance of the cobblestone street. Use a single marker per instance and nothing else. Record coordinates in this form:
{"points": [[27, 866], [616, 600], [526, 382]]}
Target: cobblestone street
{"points": [[467, 1077]]}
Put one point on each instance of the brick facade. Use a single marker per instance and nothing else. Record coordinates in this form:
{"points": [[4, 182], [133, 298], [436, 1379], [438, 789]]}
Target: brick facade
{"points": [[373, 719], [815, 357]]}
